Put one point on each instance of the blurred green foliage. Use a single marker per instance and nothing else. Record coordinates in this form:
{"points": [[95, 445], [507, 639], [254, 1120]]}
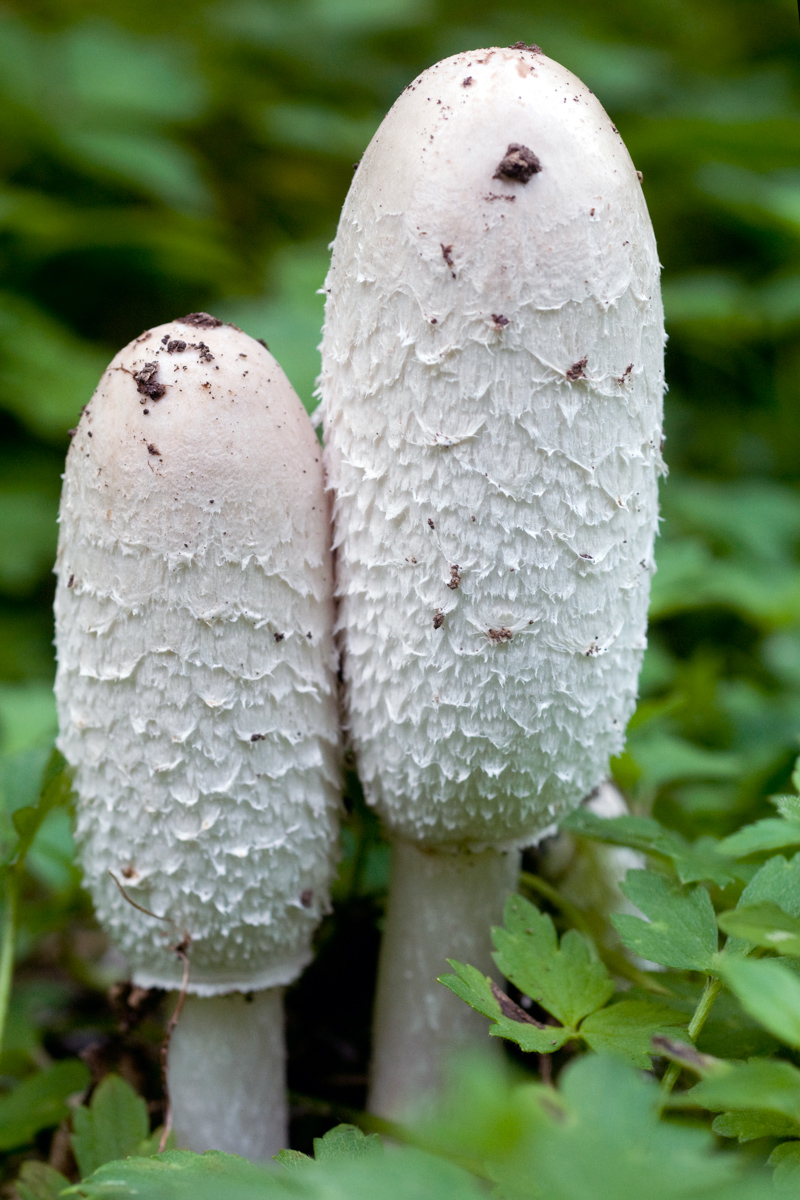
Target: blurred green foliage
{"points": [[157, 158]]}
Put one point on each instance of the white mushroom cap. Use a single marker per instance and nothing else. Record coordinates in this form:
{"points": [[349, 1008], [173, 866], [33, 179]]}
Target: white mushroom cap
{"points": [[196, 667], [492, 397]]}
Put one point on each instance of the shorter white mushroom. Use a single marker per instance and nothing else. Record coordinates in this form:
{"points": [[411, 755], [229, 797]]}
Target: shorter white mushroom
{"points": [[196, 698]]}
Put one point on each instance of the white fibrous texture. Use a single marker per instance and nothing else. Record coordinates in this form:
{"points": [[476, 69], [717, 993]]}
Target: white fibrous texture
{"points": [[196, 666], [492, 397]]}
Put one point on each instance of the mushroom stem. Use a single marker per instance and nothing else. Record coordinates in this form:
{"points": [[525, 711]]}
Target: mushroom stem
{"points": [[441, 905], [227, 1074]]}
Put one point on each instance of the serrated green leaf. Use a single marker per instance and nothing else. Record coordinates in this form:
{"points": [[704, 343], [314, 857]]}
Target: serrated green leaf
{"points": [[786, 1161], [691, 862], [763, 924], [765, 1084], [768, 990], [405, 1174], [478, 991], [113, 1126], [346, 1142], [38, 1181], [777, 881], [750, 1126], [180, 1175], [787, 806], [681, 931], [566, 980], [40, 1102], [293, 1159], [628, 1027], [474, 988], [771, 833]]}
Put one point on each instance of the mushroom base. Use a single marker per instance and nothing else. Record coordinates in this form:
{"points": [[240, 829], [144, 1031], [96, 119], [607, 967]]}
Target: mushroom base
{"points": [[441, 905], [227, 1075]]}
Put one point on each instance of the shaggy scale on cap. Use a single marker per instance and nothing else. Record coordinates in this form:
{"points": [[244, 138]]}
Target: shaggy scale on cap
{"points": [[492, 398], [196, 670]]}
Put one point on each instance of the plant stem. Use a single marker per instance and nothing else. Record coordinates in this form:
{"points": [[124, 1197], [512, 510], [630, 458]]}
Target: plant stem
{"points": [[704, 1005], [9, 938]]}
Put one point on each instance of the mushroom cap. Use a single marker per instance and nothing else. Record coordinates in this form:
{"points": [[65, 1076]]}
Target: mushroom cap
{"points": [[492, 399], [196, 668]]}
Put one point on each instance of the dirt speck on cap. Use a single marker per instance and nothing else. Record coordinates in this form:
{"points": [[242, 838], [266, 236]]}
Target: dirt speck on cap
{"points": [[467, 82], [147, 383], [447, 255], [576, 371], [500, 321], [518, 165], [201, 320], [455, 577], [176, 346], [438, 619], [534, 49], [499, 635], [307, 897], [151, 449]]}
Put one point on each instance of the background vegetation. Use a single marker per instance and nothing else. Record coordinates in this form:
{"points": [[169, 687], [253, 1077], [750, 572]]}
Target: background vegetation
{"points": [[157, 158]]}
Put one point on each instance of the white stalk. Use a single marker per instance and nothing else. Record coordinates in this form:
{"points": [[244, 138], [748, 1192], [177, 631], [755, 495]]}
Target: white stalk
{"points": [[492, 395], [227, 1075], [441, 905], [196, 691]]}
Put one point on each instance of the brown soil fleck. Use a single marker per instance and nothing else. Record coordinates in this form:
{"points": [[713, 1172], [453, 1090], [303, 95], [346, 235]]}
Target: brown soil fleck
{"points": [[518, 165], [261, 342], [496, 196], [500, 321], [176, 346], [500, 635], [279, 636], [447, 255], [576, 371], [257, 737], [455, 577], [467, 82], [438, 619], [205, 353], [71, 581], [307, 897], [201, 320], [430, 523], [522, 46], [147, 385], [151, 449]]}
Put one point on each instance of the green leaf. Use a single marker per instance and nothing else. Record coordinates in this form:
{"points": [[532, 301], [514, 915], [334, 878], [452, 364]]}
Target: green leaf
{"points": [[777, 881], [566, 979], [405, 1174], [113, 1126], [473, 988], [692, 862], [510, 1021], [763, 924], [771, 833], [750, 1126], [293, 1159], [681, 931], [764, 1084], [786, 1161], [346, 1142], [768, 990], [40, 1102], [38, 1181], [180, 1175], [628, 1027]]}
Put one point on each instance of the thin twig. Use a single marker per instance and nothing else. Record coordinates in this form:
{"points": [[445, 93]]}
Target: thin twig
{"points": [[133, 903], [181, 951]]}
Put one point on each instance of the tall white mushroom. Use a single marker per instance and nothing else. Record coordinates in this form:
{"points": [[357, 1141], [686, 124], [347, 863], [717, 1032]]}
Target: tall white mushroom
{"points": [[196, 698], [492, 396]]}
